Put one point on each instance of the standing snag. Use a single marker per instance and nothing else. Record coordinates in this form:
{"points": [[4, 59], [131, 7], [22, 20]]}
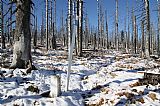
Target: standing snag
{"points": [[22, 46]]}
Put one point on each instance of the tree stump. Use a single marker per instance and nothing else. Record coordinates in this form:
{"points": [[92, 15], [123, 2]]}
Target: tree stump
{"points": [[55, 86]]}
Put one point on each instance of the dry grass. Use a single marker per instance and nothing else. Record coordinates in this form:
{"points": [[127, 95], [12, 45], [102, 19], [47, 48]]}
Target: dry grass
{"points": [[104, 90], [113, 74], [135, 84], [140, 100], [127, 94], [141, 92], [97, 87], [99, 103], [152, 96]]}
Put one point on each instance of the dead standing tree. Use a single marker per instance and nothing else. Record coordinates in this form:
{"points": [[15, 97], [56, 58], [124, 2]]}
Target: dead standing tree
{"points": [[54, 45], [142, 42], [147, 48], [107, 40], [22, 46], [2, 25], [47, 43], [80, 25], [116, 27], [158, 42]]}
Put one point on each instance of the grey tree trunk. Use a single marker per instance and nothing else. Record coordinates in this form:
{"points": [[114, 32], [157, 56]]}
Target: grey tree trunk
{"points": [[98, 11], [147, 49], [116, 27], [2, 25], [63, 34], [142, 42], [158, 42], [127, 34], [47, 43], [42, 30], [22, 45], [54, 45], [80, 30], [11, 33], [107, 41], [128, 39]]}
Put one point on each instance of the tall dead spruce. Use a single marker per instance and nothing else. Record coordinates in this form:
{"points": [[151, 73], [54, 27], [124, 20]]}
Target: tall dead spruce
{"points": [[147, 48]]}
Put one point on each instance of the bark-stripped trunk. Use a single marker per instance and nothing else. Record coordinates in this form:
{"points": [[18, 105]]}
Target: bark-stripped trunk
{"points": [[80, 28], [158, 42], [128, 39], [147, 51], [98, 11], [11, 33], [107, 41], [42, 30], [116, 27], [127, 34], [47, 43], [22, 45], [135, 35], [142, 42]]}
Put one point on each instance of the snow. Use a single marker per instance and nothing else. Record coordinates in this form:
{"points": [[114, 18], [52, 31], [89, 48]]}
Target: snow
{"points": [[97, 79]]}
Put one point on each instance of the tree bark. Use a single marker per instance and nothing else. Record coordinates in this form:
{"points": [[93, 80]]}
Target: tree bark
{"points": [[116, 27], [47, 43], [135, 35], [35, 34], [147, 51], [142, 42], [2, 25], [22, 45], [107, 41], [54, 45], [158, 42]]}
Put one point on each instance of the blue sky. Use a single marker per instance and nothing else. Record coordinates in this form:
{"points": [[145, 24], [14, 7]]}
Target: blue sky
{"points": [[91, 7]]}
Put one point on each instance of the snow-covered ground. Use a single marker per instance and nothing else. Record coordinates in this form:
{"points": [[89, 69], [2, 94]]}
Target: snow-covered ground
{"points": [[98, 79]]}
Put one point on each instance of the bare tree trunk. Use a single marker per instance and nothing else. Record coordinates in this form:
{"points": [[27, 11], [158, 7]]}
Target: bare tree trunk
{"points": [[22, 45], [128, 39], [63, 35], [2, 25], [132, 36], [35, 33], [135, 34], [42, 30], [47, 24], [98, 11], [107, 43], [158, 42], [147, 49], [127, 34], [137, 42], [80, 30], [54, 45], [116, 31], [69, 30], [151, 39], [86, 32], [142, 42], [11, 33]]}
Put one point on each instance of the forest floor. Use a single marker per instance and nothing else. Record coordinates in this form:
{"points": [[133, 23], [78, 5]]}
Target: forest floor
{"points": [[103, 78]]}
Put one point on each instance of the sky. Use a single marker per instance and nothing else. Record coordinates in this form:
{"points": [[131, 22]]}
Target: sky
{"points": [[90, 7]]}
